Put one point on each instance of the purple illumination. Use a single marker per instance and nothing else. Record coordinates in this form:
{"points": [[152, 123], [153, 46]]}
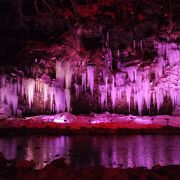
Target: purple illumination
{"points": [[90, 77], [125, 151], [133, 83], [62, 119]]}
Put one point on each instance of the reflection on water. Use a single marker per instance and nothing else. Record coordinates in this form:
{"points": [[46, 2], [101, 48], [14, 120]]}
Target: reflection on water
{"points": [[126, 151]]}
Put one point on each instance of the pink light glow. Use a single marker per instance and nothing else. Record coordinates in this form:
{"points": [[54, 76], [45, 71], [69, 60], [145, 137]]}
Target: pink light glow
{"points": [[134, 83], [90, 77]]}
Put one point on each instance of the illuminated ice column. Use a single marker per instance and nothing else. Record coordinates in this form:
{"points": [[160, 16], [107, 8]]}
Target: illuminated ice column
{"points": [[60, 71], [175, 100], [132, 72], [28, 88], [103, 89], [113, 93], [60, 99], [63, 74], [159, 97], [68, 99], [45, 92], [68, 78], [83, 81], [108, 58], [138, 91], [173, 95], [159, 69], [68, 75], [138, 99], [4, 89], [9, 93], [128, 95], [173, 54], [90, 77], [51, 96]]}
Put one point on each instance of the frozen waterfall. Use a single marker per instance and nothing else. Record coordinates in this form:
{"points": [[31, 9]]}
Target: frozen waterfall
{"points": [[137, 85]]}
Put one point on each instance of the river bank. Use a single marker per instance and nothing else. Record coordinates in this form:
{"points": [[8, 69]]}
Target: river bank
{"points": [[167, 130], [58, 169], [95, 124]]}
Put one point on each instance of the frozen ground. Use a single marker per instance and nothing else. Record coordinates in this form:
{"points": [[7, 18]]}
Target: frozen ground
{"points": [[105, 120]]}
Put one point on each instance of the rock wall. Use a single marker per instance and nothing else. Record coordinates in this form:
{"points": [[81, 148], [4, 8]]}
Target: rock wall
{"points": [[80, 57]]}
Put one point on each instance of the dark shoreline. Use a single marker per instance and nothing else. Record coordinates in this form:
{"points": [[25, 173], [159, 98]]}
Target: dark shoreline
{"points": [[23, 131], [58, 169]]}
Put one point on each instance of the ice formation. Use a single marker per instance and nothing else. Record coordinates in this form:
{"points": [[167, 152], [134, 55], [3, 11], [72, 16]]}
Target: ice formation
{"points": [[113, 93], [90, 77], [139, 85], [64, 73], [83, 81], [56, 94], [29, 86], [103, 89], [136, 84]]}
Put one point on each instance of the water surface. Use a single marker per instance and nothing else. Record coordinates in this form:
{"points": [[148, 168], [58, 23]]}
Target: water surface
{"points": [[113, 151]]}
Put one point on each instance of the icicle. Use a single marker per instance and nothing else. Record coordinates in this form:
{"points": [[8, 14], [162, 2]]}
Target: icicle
{"points": [[68, 99], [64, 73], [103, 96], [113, 93], [68, 75], [108, 58], [9, 93], [106, 84], [77, 88], [132, 72], [60, 74], [140, 88], [19, 85], [51, 96], [30, 89], [173, 95], [120, 79], [90, 77], [120, 93], [60, 102], [83, 81], [4, 89], [173, 56], [46, 90], [14, 102], [161, 49], [147, 92], [37, 86], [159, 98], [103, 89], [160, 67], [154, 98], [128, 95], [139, 100]]}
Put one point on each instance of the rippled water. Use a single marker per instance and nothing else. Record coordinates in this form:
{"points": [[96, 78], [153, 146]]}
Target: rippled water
{"points": [[113, 151]]}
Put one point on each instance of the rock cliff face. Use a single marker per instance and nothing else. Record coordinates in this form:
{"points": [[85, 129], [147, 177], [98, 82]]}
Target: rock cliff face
{"points": [[80, 57]]}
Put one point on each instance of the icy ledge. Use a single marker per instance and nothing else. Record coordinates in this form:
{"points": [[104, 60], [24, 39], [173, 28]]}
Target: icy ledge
{"points": [[113, 120]]}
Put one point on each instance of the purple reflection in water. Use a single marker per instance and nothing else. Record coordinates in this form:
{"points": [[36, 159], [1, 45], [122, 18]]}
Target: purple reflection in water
{"points": [[130, 151]]}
